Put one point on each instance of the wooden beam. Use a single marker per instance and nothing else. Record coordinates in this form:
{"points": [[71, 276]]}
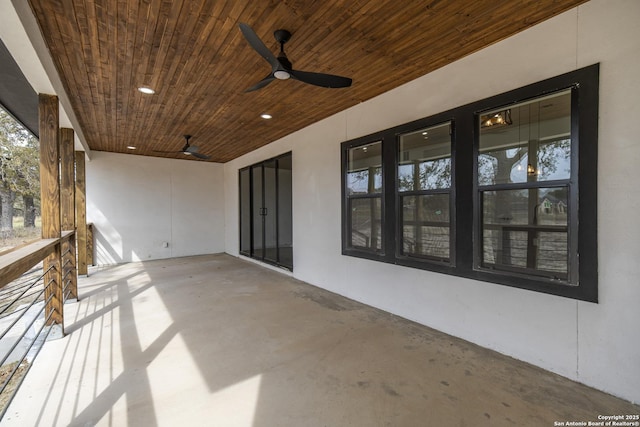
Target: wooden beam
{"points": [[90, 241], [50, 203], [49, 166], [16, 262], [81, 213], [68, 212], [67, 187]]}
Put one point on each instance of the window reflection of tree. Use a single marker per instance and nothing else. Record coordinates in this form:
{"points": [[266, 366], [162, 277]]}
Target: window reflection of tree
{"points": [[512, 232]]}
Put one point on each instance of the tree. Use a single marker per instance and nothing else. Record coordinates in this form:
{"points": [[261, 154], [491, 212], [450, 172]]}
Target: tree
{"points": [[548, 160], [19, 171], [30, 210]]}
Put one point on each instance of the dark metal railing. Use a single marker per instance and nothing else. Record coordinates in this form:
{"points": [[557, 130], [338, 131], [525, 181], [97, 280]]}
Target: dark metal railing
{"points": [[16, 308], [31, 301]]}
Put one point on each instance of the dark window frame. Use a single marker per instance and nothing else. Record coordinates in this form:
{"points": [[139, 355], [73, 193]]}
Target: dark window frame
{"points": [[346, 200], [411, 260], [571, 276], [582, 283], [369, 195], [251, 252]]}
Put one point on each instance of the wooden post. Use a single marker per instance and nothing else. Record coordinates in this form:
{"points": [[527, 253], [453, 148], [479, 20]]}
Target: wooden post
{"points": [[50, 208], [81, 213], [90, 260], [68, 214]]}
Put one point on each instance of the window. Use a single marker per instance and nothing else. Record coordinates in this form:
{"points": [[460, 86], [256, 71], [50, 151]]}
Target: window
{"points": [[424, 184], [501, 190], [364, 194], [524, 171]]}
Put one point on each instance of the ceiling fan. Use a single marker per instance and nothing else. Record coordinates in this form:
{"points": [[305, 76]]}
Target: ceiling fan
{"points": [[190, 150], [281, 67]]}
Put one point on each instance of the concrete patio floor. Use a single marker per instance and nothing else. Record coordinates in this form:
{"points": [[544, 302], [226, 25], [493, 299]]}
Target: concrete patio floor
{"points": [[218, 341]]}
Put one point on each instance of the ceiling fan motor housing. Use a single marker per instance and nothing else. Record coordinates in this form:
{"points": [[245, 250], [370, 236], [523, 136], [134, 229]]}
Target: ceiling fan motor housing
{"points": [[282, 36]]}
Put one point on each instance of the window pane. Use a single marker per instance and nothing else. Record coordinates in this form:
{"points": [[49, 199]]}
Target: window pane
{"points": [[526, 229], [245, 212], [554, 160], [530, 141], [366, 226], [257, 212], [364, 169], [285, 211], [425, 159], [425, 225], [270, 211]]}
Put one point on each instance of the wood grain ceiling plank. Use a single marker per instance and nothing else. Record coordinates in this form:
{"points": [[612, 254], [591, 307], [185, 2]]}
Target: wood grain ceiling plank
{"points": [[72, 52], [193, 54], [191, 84], [182, 50], [357, 38], [189, 47], [169, 29], [126, 85], [50, 30], [166, 91], [107, 30], [272, 27], [139, 123], [200, 88], [411, 53], [145, 26], [157, 32], [310, 46], [86, 44]]}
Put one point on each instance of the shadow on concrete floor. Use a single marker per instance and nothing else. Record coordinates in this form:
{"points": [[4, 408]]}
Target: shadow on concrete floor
{"points": [[214, 340]]}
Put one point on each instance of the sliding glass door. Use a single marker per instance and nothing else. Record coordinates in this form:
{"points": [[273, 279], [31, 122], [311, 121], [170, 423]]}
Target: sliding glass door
{"points": [[266, 211]]}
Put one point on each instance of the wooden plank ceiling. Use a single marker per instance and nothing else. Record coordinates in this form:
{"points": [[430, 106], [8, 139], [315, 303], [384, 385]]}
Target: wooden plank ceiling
{"points": [[193, 54]]}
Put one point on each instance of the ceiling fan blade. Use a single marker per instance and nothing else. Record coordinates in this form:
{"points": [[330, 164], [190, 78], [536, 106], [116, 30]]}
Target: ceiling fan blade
{"points": [[320, 79], [200, 156], [258, 45], [190, 150], [262, 83]]}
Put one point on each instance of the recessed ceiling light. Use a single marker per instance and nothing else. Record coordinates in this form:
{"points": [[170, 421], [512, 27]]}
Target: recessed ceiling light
{"points": [[146, 90], [266, 116], [131, 147]]}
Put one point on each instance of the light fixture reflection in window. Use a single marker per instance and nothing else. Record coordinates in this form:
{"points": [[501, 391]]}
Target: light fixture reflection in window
{"points": [[499, 118]]}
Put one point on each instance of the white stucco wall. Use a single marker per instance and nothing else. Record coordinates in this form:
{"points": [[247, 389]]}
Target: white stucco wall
{"points": [[596, 344], [137, 203]]}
